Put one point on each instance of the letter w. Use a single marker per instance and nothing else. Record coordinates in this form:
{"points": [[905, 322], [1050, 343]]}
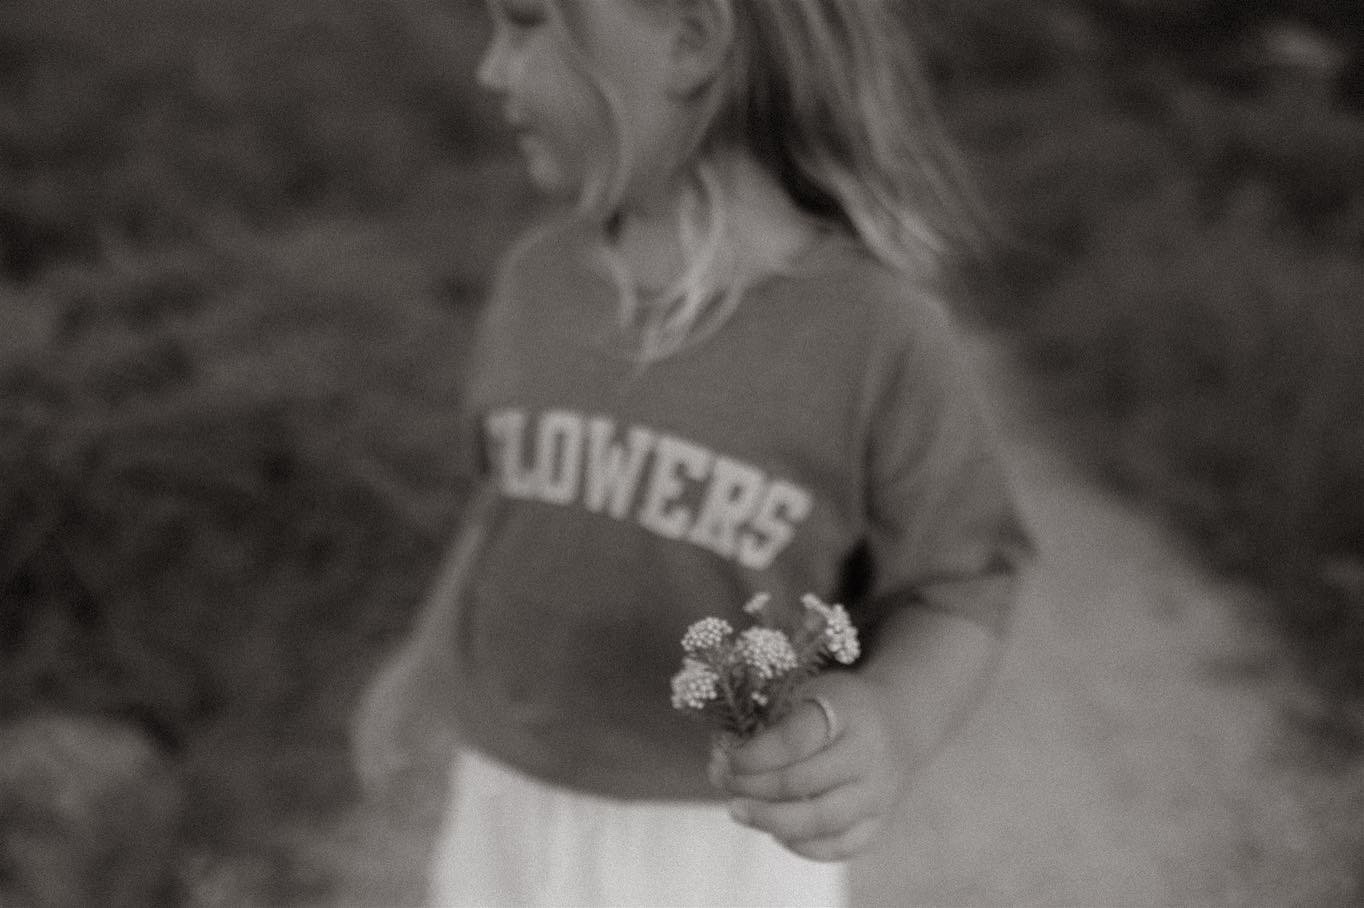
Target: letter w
{"points": [[613, 470]]}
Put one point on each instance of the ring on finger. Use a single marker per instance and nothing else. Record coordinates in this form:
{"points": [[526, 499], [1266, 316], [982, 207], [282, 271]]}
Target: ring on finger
{"points": [[831, 727]]}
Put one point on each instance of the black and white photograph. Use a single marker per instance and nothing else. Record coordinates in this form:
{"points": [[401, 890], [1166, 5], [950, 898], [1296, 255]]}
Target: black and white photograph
{"points": [[681, 453]]}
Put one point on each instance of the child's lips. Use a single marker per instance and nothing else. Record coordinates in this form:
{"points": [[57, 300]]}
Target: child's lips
{"points": [[522, 130]]}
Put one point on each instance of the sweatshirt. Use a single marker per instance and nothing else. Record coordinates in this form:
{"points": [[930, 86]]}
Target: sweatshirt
{"points": [[826, 438]]}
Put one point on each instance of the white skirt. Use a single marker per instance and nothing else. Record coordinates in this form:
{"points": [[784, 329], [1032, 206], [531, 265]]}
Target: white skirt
{"points": [[511, 840]]}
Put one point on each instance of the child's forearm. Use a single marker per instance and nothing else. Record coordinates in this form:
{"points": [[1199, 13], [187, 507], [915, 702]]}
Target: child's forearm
{"points": [[414, 684], [931, 668], [432, 636]]}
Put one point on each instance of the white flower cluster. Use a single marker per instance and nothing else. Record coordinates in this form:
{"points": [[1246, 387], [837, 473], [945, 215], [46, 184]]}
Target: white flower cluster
{"points": [[745, 682], [767, 651], [706, 635], [840, 637], [695, 686]]}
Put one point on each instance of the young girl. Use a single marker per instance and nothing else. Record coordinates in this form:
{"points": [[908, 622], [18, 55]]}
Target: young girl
{"points": [[726, 371]]}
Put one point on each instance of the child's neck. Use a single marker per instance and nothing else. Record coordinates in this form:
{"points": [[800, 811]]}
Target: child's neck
{"points": [[764, 226], [648, 242]]}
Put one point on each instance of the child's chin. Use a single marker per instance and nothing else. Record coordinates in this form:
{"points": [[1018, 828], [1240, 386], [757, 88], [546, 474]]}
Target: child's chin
{"points": [[548, 177]]}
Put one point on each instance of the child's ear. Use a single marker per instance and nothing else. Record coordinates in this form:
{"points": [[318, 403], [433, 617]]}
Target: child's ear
{"points": [[704, 32]]}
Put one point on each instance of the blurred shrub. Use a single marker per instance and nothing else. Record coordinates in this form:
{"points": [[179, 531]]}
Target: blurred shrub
{"points": [[1057, 159], [1292, 142], [998, 42], [141, 118], [1222, 355], [226, 394], [226, 476], [89, 814], [205, 431], [1184, 264]]}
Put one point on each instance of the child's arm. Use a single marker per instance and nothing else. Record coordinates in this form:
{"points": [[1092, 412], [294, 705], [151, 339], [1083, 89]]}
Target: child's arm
{"points": [[945, 545], [829, 799], [406, 692]]}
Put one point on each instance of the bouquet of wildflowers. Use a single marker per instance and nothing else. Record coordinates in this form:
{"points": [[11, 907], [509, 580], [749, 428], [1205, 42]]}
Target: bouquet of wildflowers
{"points": [[741, 682]]}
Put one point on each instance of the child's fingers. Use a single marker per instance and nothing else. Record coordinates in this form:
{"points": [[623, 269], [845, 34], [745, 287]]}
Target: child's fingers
{"points": [[802, 734], [829, 815], [827, 769], [842, 846]]}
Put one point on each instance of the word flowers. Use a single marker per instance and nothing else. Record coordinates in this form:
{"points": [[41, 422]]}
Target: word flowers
{"points": [[740, 683]]}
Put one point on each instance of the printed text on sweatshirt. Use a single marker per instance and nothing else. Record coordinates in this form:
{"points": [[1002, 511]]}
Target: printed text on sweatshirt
{"points": [[668, 485]]}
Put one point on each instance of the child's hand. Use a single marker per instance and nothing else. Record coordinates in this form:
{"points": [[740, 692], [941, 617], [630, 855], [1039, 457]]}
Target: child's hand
{"points": [[387, 728], [825, 791]]}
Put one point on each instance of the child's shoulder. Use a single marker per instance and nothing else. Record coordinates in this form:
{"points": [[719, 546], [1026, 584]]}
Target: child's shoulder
{"points": [[843, 282], [893, 328]]}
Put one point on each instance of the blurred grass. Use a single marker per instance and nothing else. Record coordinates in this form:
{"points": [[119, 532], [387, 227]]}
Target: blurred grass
{"points": [[241, 245]]}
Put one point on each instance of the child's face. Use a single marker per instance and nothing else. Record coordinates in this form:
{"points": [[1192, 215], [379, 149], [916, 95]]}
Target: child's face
{"points": [[551, 83]]}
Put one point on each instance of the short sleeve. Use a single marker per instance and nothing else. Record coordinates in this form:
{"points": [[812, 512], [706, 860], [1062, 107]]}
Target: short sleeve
{"points": [[497, 324], [468, 454], [944, 530], [490, 329]]}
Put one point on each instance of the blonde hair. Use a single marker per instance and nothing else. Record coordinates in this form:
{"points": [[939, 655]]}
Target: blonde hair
{"points": [[830, 98]]}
